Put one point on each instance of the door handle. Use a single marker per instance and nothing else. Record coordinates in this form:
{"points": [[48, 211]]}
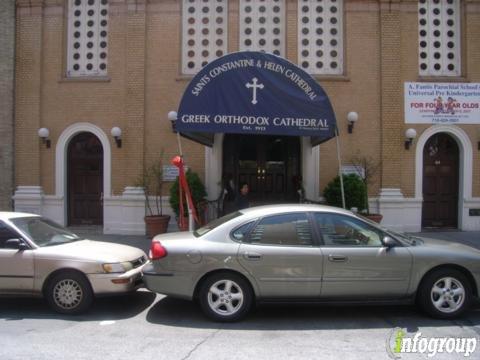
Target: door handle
{"points": [[252, 256], [337, 258]]}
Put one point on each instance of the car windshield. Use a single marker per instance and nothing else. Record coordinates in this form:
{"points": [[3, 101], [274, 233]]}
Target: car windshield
{"points": [[215, 223], [409, 239], [44, 232]]}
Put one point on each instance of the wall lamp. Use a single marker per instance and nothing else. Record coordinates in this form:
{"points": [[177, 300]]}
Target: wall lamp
{"points": [[352, 118], [410, 134], [172, 116], [117, 135], [44, 133]]}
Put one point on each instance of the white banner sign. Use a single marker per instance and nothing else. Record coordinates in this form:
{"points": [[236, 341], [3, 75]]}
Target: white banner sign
{"points": [[353, 169], [442, 103], [170, 172]]}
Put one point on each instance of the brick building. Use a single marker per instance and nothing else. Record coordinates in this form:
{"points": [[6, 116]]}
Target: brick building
{"points": [[84, 67], [7, 70]]}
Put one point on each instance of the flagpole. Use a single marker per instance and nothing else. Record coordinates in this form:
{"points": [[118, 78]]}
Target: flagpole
{"points": [[172, 116], [191, 225], [337, 136]]}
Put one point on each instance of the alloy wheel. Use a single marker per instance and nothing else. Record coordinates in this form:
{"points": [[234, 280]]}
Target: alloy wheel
{"points": [[67, 294], [225, 297], [447, 295]]}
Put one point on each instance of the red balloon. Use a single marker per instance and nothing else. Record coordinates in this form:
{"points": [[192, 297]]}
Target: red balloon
{"points": [[177, 161]]}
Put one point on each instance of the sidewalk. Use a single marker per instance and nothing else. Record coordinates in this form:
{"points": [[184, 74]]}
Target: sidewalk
{"points": [[471, 238]]}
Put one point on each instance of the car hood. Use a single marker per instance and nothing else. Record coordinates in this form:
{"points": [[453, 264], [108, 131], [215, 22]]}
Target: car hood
{"points": [[92, 251], [447, 245]]}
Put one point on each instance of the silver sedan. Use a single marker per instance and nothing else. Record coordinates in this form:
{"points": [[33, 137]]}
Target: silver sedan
{"points": [[309, 253], [41, 258]]}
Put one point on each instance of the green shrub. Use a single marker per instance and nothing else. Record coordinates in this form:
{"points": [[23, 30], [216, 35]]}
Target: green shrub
{"points": [[197, 189], [355, 192]]}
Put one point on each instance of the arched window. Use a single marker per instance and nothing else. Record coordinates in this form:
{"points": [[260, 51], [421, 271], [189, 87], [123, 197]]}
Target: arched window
{"points": [[320, 36], [204, 33], [262, 26], [87, 38], [439, 38]]}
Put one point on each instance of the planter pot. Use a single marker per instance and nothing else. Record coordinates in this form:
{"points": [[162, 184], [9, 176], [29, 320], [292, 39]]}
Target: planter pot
{"points": [[374, 217], [156, 224]]}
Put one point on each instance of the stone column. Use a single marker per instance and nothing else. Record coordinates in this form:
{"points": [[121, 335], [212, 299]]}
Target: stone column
{"points": [[391, 94], [28, 92], [7, 68], [391, 199], [135, 92]]}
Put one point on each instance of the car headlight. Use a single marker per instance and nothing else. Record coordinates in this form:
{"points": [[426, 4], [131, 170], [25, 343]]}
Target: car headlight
{"points": [[117, 267]]}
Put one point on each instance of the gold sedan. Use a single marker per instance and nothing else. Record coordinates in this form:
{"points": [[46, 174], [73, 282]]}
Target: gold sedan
{"points": [[41, 258]]}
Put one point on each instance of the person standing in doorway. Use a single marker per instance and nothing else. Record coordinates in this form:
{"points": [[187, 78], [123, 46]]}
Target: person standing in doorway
{"points": [[241, 201], [229, 195]]}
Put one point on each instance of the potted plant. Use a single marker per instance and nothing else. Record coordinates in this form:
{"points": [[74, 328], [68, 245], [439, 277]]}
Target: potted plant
{"points": [[151, 180], [367, 168], [197, 190], [354, 192]]}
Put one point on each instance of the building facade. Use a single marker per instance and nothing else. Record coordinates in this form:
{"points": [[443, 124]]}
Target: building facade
{"points": [[84, 67], [7, 71]]}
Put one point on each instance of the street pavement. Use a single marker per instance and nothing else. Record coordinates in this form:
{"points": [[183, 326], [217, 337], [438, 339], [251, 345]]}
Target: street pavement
{"points": [[150, 326]]}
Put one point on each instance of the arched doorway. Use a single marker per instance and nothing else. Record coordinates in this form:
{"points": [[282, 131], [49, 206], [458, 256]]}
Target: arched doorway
{"points": [[85, 180], [440, 182], [269, 164]]}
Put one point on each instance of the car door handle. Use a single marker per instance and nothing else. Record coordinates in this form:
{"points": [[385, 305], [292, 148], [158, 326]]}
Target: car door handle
{"points": [[252, 256], [337, 258]]}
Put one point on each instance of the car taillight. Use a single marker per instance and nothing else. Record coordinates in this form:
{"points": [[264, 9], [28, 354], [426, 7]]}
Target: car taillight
{"points": [[157, 251]]}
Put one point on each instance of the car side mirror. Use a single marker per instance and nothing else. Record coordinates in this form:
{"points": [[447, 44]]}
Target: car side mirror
{"points": [[17, 244], [388, 242]]}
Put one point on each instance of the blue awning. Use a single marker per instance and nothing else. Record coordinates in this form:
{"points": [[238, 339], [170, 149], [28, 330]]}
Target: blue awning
{"points": [[254, 93]]}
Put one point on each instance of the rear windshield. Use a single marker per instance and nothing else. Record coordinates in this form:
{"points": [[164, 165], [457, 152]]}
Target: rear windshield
{"points": [[215, 223]]}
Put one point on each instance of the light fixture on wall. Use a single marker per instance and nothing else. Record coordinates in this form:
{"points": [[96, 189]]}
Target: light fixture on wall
{"points": [[44, 133], [172, 116], [117, 135], [352, 118], [410, 134]]}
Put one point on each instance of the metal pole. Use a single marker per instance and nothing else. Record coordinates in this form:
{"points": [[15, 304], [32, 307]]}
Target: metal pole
{"points": [[191, 225], [340, 166], [179, 145]]}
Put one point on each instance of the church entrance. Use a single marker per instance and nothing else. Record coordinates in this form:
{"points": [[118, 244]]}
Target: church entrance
{"points": [[85, 180], [270, 165], [440, 182]]}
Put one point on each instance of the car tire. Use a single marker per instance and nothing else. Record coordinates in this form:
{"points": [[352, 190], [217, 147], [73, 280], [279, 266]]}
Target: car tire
{"points": [[445, 294], [69, 292], [225, 297]]}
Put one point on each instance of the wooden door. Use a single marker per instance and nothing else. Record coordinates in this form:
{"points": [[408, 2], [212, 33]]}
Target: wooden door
{"points": [[440, 182], [269, 164], [85, 180], [274, 168]]}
